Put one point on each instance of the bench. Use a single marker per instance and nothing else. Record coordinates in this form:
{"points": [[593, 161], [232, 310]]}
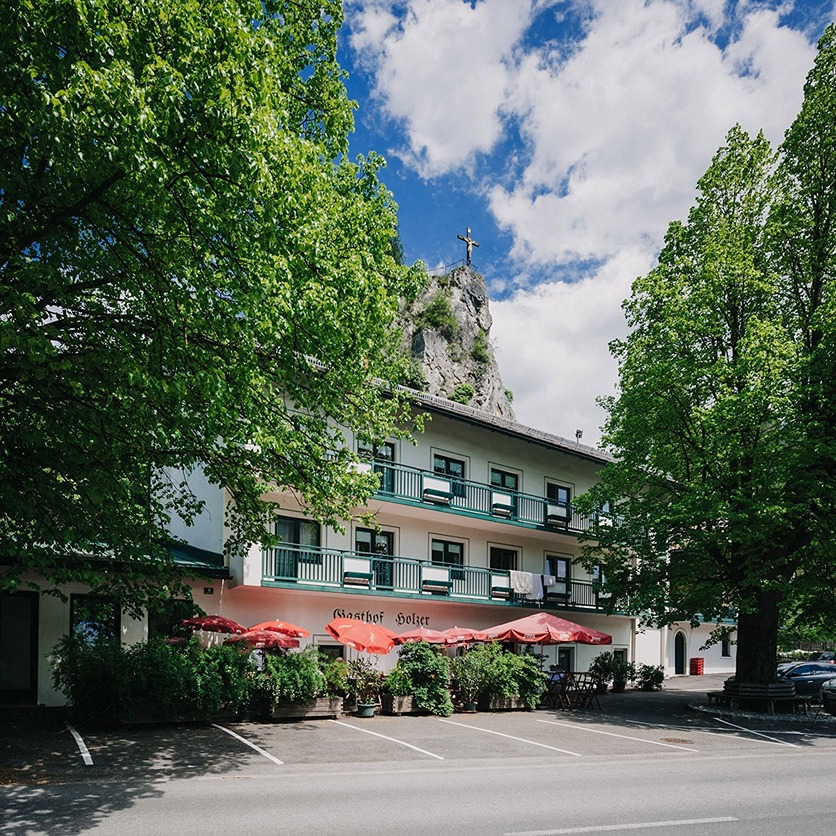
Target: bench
{"points": [[437, 491], [738, 695], [357, 571], [436, 580], [501, 587]]}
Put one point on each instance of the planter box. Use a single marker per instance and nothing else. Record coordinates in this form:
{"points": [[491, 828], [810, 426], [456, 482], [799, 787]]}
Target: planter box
{"points": [[390, 704], [501, 704], [320, 707]]}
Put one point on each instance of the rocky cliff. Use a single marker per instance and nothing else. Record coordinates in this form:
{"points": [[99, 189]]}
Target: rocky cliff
{"points": [[447, 332]]}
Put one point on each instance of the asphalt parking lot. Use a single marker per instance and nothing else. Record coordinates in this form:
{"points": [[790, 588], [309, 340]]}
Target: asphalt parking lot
{"points": [[42, 748]]}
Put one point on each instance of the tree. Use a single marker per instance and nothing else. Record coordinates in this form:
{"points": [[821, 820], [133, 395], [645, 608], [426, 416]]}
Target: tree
{"points": [[724, 456], [192, 273]]}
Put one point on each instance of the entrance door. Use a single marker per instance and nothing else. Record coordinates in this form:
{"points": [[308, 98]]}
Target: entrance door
{"points": [[19, 648], [679, 653]]}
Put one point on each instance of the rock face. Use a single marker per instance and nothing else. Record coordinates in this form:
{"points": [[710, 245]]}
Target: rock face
{"points": [[447, 332]]}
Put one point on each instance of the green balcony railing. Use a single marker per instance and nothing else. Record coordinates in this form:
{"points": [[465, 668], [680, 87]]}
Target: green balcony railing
{"points": [[402, 576], [401, 482]]}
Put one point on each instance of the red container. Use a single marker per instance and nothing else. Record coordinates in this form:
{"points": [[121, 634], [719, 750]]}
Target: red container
{"points": [[697, 663]]}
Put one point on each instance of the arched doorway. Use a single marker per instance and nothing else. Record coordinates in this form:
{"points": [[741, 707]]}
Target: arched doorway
{"points": [[679, 652]]}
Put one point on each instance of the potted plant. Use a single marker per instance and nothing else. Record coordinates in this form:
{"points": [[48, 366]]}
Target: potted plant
{"points": [[602, 668], [650, 677], [298, 687], [622, 673], [365, 681], [396, 695], [426, 674]]}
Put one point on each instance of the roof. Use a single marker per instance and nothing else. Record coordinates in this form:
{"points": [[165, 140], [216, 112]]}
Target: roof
{"points": [[199, 561], [496, 423]]}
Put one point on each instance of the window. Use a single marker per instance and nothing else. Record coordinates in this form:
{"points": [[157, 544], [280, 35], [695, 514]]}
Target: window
{"points": [[558, 567], [450, 552], [559, 494], [454, 468], [383, 456], [369, 541], [165, 621], [725, 647], [296, 533], [504, 480], [503, 559], [566, 659], [93, 617]]}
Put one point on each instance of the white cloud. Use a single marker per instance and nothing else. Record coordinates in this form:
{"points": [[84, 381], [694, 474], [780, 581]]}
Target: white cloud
{"points": [[442, 69], [617, 129], [552, 346]]}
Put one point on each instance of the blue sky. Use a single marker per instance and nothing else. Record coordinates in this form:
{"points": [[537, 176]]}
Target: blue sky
{"points": [[567, 134]]}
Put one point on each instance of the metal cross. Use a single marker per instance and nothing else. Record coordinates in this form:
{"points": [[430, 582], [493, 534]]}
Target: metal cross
{"points": [[470, 244]]}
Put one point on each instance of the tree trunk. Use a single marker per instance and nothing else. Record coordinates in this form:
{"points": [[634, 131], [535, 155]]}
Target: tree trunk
{"points": [[757, 640]]}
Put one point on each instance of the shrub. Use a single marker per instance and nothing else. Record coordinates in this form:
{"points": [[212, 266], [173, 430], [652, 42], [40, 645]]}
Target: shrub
{"points": [[335, 675], [293, 678], [153, 679], [462, 393], [480, 348], [365, 680], [427, 672], [438, 315], [650, 677]]}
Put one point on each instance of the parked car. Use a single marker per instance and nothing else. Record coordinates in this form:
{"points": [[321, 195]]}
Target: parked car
{"points": [[828, 696], [828, 656], [808, 677]]}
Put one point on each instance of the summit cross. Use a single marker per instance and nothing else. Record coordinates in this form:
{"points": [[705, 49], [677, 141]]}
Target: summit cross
{"points": [[470, 245]]}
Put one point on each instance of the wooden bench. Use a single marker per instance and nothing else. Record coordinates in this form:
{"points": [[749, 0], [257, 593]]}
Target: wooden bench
{"points": [[436, 580], [736, 695]]}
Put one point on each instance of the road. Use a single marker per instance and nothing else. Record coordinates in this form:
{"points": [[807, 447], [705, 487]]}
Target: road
{"points": [[644, 763]]}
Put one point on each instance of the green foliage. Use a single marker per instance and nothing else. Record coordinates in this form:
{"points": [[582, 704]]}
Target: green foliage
{"points": [[480, 348], [650, 677], [438, 315], [468, 671], [150, 680], [462, 393], [336, 677], [398, 682], [365, 680], [509, 395], [424, 669], [607, 667], [182, 237], [293, 678], [722, 438], [528, 676]]}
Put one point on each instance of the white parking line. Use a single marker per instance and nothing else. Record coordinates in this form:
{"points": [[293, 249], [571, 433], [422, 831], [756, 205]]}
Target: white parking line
{"points": [[766, 737], [251, 745], [603, 828], [511, 737], [392, 739], [82, 746], [613, 734]]}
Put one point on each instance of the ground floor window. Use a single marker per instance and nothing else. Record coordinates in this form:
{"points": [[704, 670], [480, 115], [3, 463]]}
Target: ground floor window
{"points": [[93, 617]]}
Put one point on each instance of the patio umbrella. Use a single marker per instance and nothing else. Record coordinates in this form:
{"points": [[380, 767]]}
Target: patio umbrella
{"points": [[544, 628], [368, 638], [464, 635], [282, 627], [263, 639], [214, 624], [423, 634]]}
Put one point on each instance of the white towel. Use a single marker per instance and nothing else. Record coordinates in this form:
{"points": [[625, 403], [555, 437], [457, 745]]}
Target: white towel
{"points": [[521, 582], [536, 593]]}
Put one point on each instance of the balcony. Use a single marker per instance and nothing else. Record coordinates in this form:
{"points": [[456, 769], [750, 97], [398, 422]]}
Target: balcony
{"points": [[337, 570], [412, 486]]}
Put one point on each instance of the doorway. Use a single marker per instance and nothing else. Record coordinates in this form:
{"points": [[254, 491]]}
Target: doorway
{"points": [[19, 648], [679, 653]]}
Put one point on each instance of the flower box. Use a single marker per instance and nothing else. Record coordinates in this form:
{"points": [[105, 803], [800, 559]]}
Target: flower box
{"points": [[319, 707], [391, 704], [501, 704]]}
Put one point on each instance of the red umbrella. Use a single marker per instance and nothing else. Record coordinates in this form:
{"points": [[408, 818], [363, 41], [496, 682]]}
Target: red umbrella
{"points": [[369, 638], [214, 624], [423, 634], [544, 628], [263, 639], [464, 635], [282, 627]]}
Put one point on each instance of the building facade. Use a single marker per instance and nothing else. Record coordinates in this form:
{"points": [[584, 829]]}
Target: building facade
{"points": [[475, 526]]}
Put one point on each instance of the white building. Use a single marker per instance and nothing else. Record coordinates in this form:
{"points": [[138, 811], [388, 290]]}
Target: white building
{"points": [[475, 527]]}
